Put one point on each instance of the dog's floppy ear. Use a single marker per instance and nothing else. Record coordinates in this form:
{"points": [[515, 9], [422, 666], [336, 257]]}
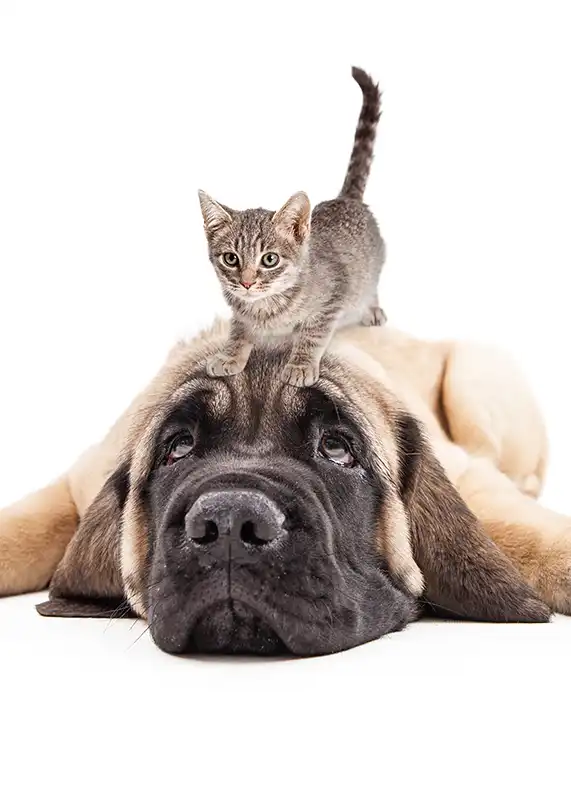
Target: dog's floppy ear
{"points": [[63, 607], [87, 582], [466, 575]]}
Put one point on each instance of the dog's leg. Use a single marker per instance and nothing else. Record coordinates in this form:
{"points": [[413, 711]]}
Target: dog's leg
{"points": [[536, 539], [34, 533], [490, 411]]}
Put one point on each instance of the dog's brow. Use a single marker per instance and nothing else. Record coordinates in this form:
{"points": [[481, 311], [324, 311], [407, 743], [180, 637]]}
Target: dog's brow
{"points": [[218, 403], [214, 395]]}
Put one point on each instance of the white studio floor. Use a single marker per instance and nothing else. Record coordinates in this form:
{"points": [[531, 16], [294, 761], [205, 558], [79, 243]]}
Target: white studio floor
{"points": [[449, 709]]}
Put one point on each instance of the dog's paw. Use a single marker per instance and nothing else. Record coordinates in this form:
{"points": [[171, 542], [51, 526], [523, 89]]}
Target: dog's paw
{"points": [[300, 374], [374, 316], [221, 365]]}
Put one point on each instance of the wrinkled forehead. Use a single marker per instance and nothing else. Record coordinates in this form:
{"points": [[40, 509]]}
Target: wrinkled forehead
{"points": [[253, 408], [260, 408]]}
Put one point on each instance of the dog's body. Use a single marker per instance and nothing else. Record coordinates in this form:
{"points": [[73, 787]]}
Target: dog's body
{"points": [[396, 515]]}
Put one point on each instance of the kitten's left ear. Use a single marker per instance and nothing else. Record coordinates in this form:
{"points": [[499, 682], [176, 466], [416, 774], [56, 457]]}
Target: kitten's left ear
{"points": [[215, 216], [294, 217]]}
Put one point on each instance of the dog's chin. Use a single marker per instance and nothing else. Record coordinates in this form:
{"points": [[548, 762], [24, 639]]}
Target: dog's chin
{"points": [[232, 628]]}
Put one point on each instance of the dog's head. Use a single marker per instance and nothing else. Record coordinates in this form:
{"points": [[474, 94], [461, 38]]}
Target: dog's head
{"points": [[249, 516]]}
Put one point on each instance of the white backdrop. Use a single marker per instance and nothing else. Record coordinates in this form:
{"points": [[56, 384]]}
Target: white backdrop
{"points": [[113, 114]]}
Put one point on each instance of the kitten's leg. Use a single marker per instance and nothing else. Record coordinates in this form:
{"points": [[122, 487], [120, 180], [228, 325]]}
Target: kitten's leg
{"points": [[234, 357], [374, 315], [310, 343]]}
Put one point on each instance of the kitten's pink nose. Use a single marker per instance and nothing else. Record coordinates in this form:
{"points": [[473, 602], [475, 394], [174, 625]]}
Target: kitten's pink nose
{"points": [[245, 284]]}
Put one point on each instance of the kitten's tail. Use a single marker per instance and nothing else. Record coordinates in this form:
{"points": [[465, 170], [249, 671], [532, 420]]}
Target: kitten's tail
{"points": [[362, 155]]}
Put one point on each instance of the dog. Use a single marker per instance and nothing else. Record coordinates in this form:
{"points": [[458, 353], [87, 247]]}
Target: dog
{"points": [[237, 515]]}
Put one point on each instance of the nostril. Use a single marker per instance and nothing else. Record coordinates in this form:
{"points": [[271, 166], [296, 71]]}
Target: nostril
{"points": [[249, 536], [210, 532], [205, 534], [248, 533]]}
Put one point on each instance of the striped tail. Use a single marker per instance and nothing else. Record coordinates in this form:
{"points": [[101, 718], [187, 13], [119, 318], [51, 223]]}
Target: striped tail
{"points": [[362, 155]]}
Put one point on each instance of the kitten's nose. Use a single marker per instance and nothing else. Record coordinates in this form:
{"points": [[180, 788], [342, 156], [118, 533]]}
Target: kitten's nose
{"points": [[245, 284]]}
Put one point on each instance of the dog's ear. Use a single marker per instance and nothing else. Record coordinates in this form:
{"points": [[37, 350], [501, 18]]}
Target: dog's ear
{"points": [[87, 582], [62, 607], [465, 574]]}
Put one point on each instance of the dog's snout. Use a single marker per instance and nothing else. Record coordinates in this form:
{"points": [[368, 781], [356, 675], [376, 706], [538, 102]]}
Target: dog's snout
{"points": [[246, 517]]}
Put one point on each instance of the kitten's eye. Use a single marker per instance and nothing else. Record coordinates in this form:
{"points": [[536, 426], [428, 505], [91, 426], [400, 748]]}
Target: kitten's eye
{"points": [[334, 448], [230, 259], [180, 447], [270, 260]]}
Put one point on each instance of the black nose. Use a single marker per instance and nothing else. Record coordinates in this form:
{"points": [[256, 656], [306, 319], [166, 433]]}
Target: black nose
{"points": [[246, 518]]}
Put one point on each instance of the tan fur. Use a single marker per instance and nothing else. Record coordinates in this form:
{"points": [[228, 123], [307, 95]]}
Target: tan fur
{"points": [[536, 539], [33, 536], [481, 420], [505, 425], [398, 550]]}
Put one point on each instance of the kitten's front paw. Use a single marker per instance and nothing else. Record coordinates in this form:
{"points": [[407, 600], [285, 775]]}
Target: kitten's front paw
{"points": [[222, 365], [300, 374], [374, 316]]}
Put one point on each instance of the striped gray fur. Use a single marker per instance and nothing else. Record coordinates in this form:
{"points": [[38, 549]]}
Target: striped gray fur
{"points": [[326, 270], [362, 155]]}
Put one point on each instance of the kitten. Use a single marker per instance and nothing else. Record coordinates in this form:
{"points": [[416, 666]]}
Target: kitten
{"points": [[297, 275]]}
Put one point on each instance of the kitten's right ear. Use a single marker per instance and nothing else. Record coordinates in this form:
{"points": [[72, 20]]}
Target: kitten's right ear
{"points": [[215, 216], [294, 216]]}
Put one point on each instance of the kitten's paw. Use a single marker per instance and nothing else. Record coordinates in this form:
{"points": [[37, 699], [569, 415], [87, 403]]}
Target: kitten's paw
{"points": [[374, 316], [221, 365], [300, 374]]}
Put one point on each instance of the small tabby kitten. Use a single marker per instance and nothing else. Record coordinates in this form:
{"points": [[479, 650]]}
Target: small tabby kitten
{"points": [[297, 275]]}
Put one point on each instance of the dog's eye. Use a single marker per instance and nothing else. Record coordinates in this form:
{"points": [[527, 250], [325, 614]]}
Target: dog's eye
{"points": [[230, 260], [180, 447], [335, 448]]}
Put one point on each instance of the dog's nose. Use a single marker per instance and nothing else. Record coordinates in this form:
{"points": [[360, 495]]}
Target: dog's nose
{"points": [[246, 517]]}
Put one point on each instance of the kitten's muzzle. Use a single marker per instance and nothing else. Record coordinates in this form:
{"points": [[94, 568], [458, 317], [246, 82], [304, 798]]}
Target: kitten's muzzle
{"points": [[234, 523]]}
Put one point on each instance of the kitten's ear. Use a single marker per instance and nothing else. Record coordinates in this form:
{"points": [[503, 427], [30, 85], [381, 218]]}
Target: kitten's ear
{"points": [[215, 216], [294, 217]]}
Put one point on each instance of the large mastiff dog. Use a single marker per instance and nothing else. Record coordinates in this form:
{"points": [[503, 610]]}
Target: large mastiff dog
{"points": [[241, 515]]}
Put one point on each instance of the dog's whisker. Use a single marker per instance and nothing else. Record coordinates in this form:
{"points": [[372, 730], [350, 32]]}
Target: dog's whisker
{"points": [[119, 613], [140, 636]]}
